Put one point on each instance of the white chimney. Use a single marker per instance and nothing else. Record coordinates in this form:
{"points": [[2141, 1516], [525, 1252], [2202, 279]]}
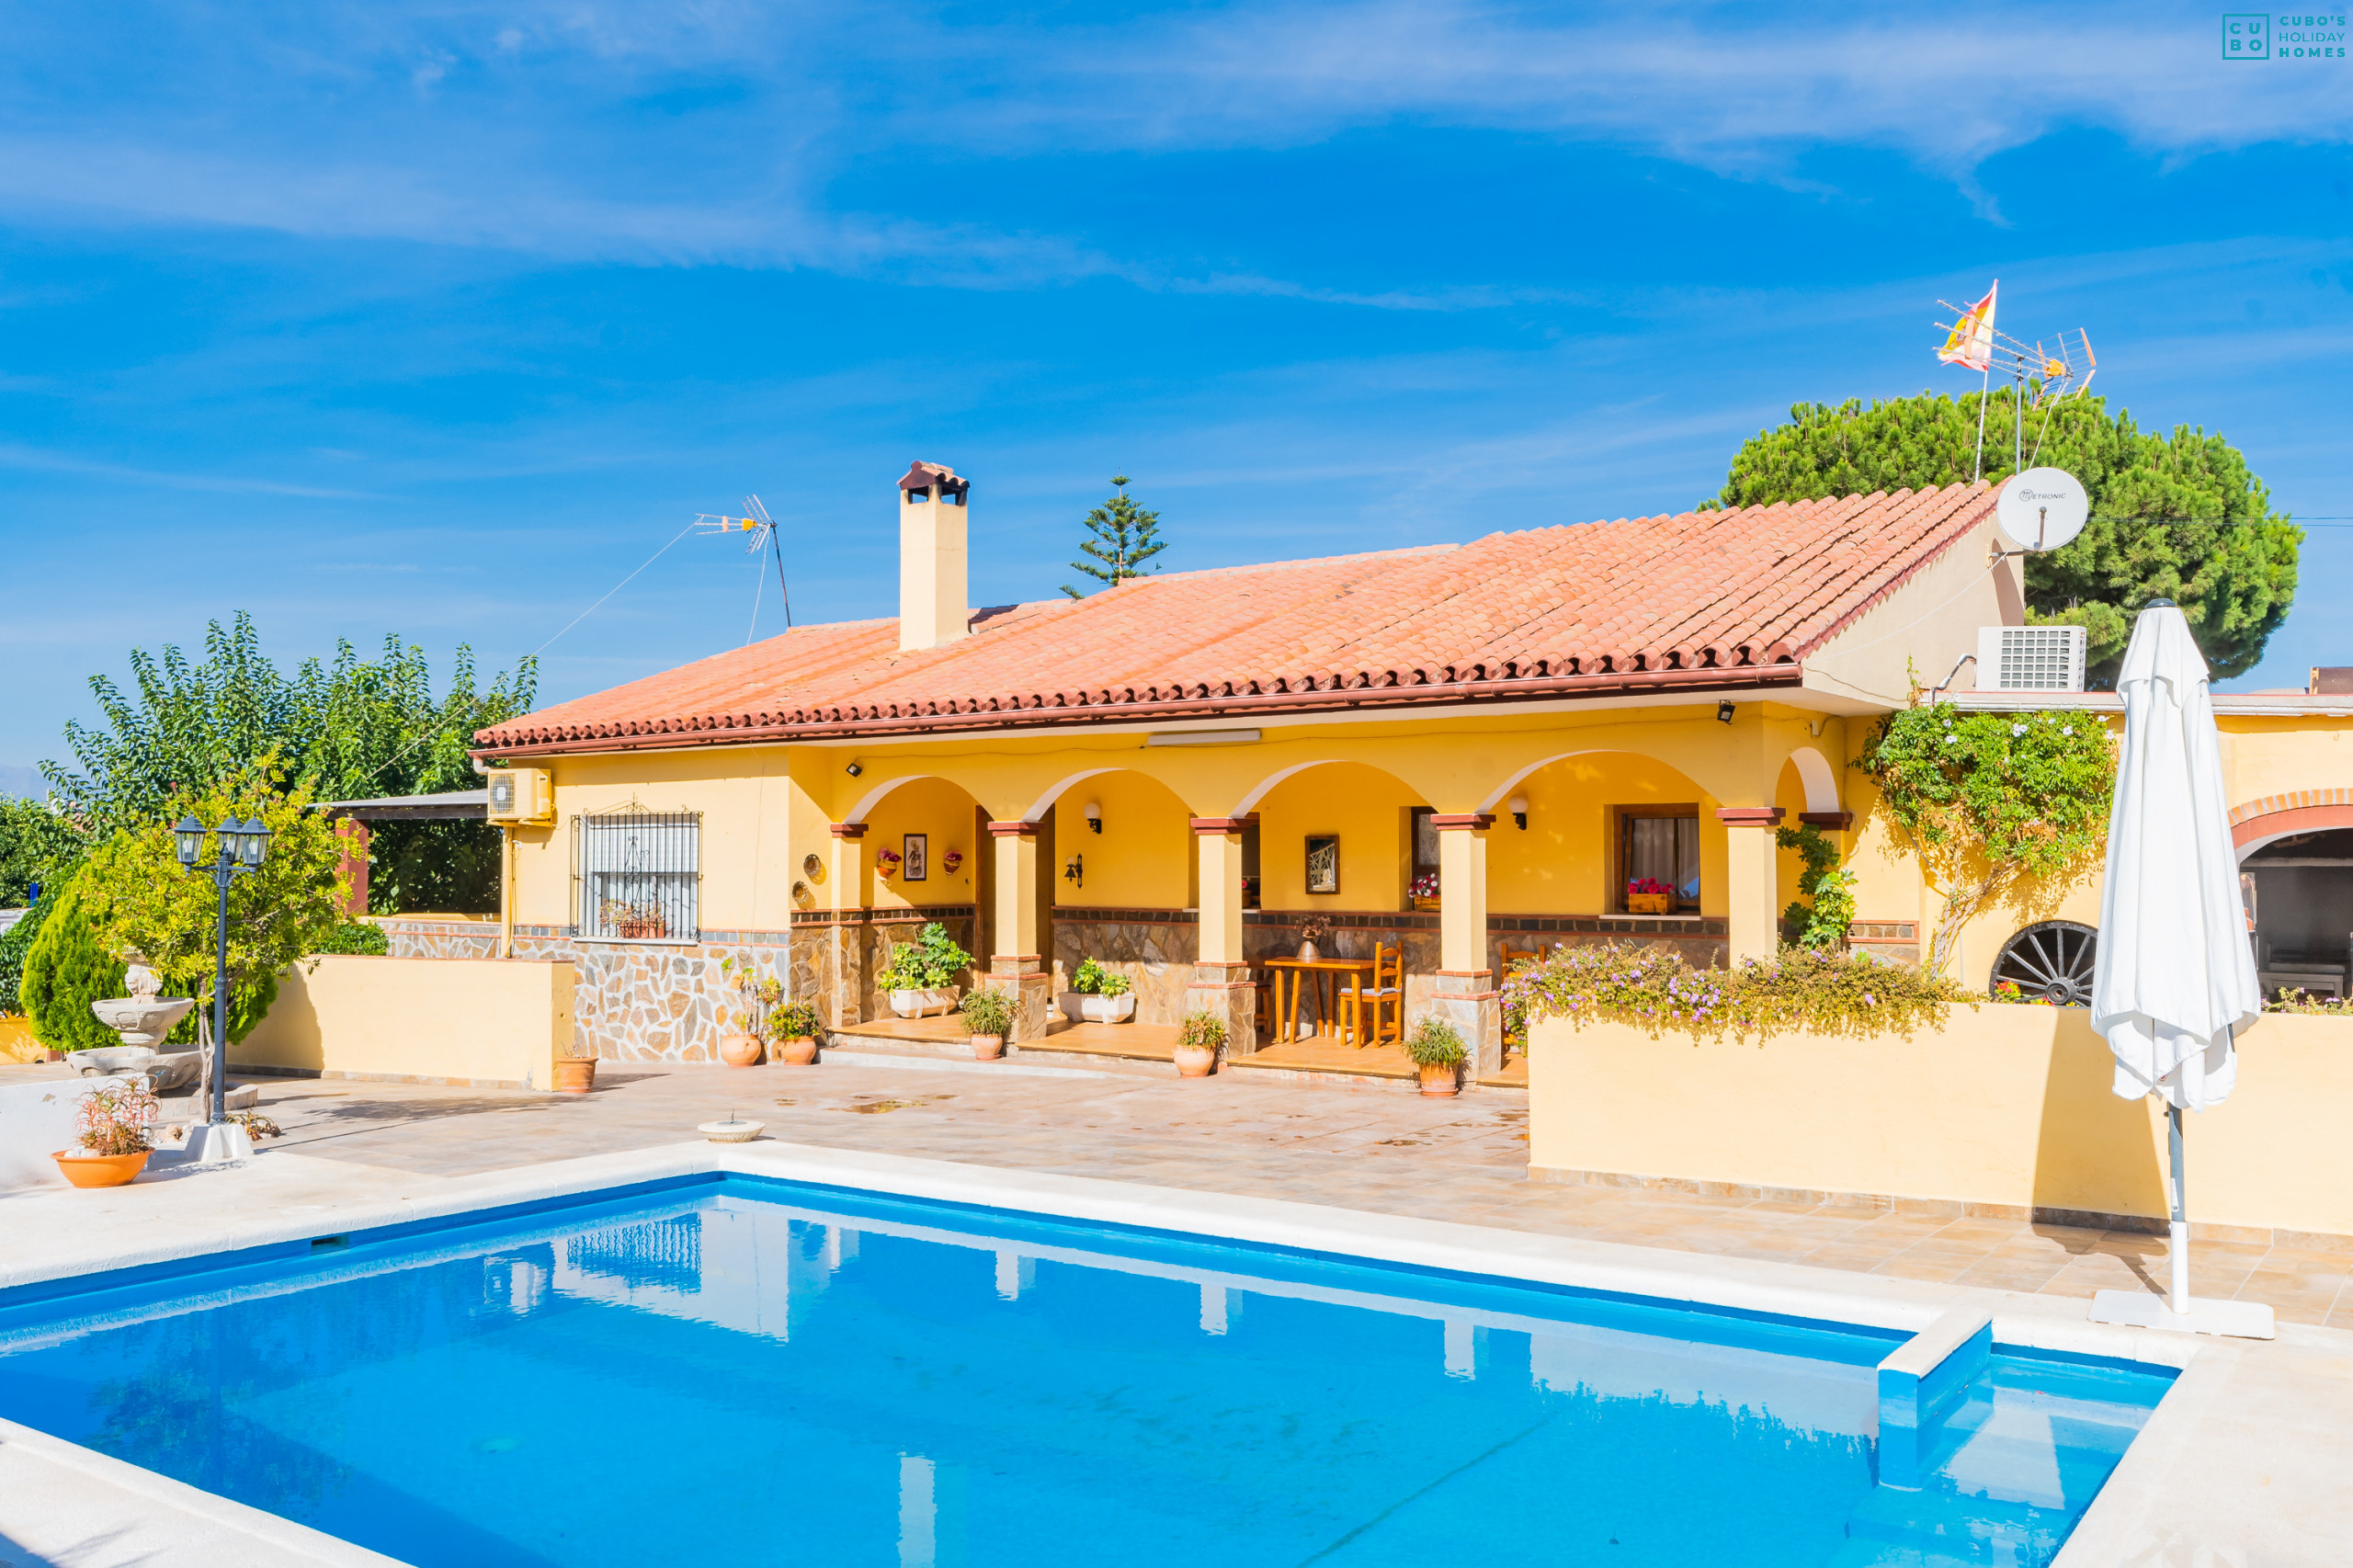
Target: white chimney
{"points": [[932, 608]]}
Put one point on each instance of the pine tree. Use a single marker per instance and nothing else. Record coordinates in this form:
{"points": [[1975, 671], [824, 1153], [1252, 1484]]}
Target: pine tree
{"points": [[1125, 537]]}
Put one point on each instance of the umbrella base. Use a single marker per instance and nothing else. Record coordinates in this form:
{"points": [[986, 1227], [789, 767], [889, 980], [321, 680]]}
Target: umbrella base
{"points": [[2138, 1309]]}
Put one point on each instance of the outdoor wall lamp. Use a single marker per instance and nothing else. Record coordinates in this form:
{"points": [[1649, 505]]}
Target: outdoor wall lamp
{"points": [[243, 848], [1094, 817], [853, 770], [1724, 713], [1074, 873], [1517, 807]]}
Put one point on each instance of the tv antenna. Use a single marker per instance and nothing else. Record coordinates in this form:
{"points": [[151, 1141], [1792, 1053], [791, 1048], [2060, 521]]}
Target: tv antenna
{"points": [[760, 529], [1972, 342]]}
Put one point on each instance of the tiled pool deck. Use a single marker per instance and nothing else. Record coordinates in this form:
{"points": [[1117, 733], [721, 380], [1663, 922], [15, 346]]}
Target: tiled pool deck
{"points": [[2248, 1469], [1387, 1152]]}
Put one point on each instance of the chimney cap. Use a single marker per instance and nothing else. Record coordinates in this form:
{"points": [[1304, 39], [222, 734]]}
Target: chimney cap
{"points": [[921, 475]]}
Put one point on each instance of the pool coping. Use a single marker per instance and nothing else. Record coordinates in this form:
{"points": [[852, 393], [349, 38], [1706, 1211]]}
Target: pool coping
{"points": [[2121, 1514]]}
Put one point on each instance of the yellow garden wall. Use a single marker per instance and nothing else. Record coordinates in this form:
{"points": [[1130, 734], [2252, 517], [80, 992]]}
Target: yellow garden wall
{"points": [[479, 1021], [17, 1042], [2004, 1106]]}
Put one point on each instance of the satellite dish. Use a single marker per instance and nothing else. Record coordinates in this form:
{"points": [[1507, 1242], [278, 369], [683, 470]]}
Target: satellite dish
{"points": [[2041, 509]]}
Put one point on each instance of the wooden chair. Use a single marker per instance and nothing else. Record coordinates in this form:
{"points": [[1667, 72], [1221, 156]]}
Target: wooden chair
{"points": [[1381, 1004]]}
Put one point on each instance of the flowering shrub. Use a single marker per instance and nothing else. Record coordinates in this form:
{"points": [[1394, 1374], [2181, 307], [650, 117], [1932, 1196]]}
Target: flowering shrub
{"points": [[1656, 990], [1424, 886], [2288, 1001], [1648, 885]]}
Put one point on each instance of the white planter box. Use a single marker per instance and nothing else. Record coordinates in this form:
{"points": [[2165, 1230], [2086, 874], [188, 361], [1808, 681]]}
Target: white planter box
{"points": [[918, 1003], [1107, 1009]]}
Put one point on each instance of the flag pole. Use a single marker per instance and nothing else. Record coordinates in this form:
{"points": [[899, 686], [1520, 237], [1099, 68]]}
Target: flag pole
{"points": [[1983, 393]]}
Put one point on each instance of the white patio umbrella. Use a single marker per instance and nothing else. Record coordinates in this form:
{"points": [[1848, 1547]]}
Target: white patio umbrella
{"points": [[2174, 978]]}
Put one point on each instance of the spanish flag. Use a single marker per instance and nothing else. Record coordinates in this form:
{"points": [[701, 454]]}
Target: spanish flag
{"points": [[1970, 343]]}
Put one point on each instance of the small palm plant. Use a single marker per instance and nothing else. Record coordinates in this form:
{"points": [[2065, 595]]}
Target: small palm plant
{"points": [[1436, 1043]]}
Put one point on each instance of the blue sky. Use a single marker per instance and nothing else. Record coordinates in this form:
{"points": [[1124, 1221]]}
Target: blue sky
{"points": [[438, 320]]}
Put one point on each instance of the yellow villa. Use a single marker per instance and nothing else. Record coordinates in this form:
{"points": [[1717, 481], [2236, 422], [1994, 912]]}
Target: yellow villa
{"points": [[1452, 754]]}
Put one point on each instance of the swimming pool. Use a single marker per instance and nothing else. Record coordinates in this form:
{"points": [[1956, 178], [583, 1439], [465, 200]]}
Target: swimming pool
{"points": [[747, 1369]]}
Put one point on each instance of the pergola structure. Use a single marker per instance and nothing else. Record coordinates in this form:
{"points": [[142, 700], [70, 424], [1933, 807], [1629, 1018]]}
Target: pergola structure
{"points": [[352, 817]]}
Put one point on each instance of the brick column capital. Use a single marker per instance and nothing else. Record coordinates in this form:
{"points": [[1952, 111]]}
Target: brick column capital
{"points": [[847, 829], [1460, 822], [1208, 826], [1013, 830], [1749, 816]]}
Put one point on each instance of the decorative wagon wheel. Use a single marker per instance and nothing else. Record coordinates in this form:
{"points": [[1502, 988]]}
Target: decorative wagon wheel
{"points": [[2050, 959]]}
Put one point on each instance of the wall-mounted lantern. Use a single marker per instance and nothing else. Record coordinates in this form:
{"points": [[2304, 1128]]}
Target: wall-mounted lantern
{"points": [[1074, 873], [1517, 807], [1094, 817]]}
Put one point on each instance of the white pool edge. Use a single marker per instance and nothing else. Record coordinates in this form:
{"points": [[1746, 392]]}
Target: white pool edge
{"points": [[1746, 1285]]}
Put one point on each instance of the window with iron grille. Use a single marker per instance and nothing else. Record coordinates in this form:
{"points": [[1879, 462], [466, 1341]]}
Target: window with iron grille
{"points": [[637, 874]]}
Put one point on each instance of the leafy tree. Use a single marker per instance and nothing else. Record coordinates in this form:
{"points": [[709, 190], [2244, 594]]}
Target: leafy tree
{"points": [[35, 839], [68, 967], [2177, 517], [1124, 536], [1822, 923], [142, 899], [346, 729], [1990, 800]]}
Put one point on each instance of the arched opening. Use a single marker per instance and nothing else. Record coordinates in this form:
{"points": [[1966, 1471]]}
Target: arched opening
{"points": [[1121, 888], [2296, 879]]}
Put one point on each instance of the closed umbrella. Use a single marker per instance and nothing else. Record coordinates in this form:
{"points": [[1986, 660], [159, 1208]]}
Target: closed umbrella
{"points": [[2174, 978]]}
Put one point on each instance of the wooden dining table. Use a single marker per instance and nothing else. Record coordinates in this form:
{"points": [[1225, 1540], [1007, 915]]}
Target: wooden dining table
{"points": [[1324, 975]]}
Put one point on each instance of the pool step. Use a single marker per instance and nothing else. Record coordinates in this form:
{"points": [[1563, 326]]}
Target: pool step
{"points": [[1935, 1530]]}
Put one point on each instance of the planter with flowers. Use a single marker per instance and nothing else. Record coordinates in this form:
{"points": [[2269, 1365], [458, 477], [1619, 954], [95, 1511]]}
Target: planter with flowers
{"points": [[1648, 895], [739, 1042], [886, 864], [110, 1143], [921, 976], [1424, 890], [1199, 1039], [1098, 996]]}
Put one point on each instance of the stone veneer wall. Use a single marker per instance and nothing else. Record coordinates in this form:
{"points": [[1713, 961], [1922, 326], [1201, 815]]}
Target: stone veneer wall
{"points": [[663, 1001], [1155, 948]]}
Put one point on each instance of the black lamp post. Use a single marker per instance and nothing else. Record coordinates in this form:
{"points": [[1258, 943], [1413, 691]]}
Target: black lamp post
{"points": [[243, 844]]}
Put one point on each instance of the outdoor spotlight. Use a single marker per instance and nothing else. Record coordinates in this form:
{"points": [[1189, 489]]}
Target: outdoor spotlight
{"points": [[252, 843], [1094, 817], [188, 836], [1517, 807], [853, 770], [1724, 713]]}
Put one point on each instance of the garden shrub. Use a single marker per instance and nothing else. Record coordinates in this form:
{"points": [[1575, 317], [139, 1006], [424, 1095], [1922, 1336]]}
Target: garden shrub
{"points": [[355, 937], [66, 969], [1653, 988]]}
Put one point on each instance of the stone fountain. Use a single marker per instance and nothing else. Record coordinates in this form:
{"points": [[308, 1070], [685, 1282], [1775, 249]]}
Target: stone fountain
{"points": [[142, 1019]]}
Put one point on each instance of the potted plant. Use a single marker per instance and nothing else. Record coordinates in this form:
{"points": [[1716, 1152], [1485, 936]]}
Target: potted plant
{"points": [[574, 1074], [1435, 1047], [988, 1018], [921, 976], [794, 1027], [1199, 1039], [1098, 995], [1310, 930], [739, 1043], [1424, 890], [111, 1144]]}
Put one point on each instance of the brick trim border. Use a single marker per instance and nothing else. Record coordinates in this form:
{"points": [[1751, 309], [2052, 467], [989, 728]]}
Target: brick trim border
{"points": [[2299, 811]]}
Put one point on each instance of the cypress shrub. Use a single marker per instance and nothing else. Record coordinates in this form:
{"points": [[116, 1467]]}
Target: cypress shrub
{"points": [[65, 971]]}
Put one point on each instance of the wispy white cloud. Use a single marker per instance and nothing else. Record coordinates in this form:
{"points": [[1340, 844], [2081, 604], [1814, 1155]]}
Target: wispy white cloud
{"points": [[21, 457]]}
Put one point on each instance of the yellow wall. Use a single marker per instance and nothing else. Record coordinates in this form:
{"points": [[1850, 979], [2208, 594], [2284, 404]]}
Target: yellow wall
{"points": [[1142, 860], [17, 1042], [481, 1021], [1366, 807], [2007, 1106], [931, 806], [1560, 865], [2276, 757]]}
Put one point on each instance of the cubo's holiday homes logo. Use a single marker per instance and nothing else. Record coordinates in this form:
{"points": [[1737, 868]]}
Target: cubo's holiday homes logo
{"points": [[2261, 35]]}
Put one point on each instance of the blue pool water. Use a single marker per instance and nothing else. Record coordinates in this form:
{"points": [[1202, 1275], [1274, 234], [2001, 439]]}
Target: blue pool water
{"points": [[748, 1371]]}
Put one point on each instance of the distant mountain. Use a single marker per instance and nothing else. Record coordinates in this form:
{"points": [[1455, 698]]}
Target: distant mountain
{"points": [[22, 781]]}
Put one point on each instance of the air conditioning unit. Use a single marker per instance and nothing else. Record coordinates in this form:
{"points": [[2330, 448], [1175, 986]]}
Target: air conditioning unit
{"points": [[522, 796], [2030, 658]]}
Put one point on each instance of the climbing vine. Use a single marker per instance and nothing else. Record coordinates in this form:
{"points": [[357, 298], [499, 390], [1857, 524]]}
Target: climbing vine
{"points": [[1823, 922], [1988, 801]]}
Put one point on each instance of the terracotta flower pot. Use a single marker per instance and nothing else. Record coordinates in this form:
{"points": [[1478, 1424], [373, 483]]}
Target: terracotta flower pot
{"points": [[100, 1170], [574, 1074], [1196, 1060], [739, 1050], [988, 1047], [1441, 1080], [798, 1052]]}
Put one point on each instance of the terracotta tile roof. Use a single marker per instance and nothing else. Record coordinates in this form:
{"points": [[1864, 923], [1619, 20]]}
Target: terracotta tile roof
{"points": [[1698, 599]]}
